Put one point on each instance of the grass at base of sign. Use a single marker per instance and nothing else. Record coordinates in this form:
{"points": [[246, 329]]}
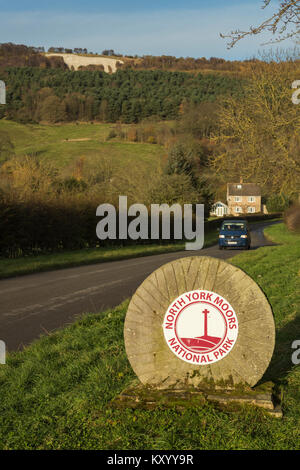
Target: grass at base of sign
{"points": [[65, 259], [54, 394]]}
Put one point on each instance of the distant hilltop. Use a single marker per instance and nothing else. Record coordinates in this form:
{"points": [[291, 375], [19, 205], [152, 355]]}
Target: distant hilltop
{"points": [[19, 55], [75, 62]]}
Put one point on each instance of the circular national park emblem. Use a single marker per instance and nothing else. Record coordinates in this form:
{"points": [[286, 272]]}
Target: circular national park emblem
{"points": [[200, 327]]}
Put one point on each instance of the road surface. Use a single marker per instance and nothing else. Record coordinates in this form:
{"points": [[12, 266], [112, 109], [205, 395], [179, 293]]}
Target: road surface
{"points": [[35, 304]]}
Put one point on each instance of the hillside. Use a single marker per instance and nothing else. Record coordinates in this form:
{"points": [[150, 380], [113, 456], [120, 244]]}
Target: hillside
{"points": [[75, 61], [19, 55], [63, 145], [54, 95]]}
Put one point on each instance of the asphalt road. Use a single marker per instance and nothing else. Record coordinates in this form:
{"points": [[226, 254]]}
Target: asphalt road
{"points": [[35, 304]]}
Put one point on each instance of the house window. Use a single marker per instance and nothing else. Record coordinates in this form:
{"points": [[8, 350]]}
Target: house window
{"points": [[251, 199], [239, 186], [238, 209], [251, 210], [237, 199]]}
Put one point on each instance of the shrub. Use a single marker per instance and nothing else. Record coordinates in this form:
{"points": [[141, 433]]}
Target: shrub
{"points": [[112, 134], [277, 203], [292, 218], [151, 140]]}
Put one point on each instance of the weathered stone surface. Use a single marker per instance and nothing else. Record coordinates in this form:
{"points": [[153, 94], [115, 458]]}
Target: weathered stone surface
{"points": [[138, 396], [146, 347]]}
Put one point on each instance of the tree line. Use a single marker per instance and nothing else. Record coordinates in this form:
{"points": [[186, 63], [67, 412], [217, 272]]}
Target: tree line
{"points": [[21, 55], [172, 63], [12, 55], [56, 95]]}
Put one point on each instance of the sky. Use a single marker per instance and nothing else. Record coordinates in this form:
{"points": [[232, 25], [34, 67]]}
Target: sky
{"points": [[189, 28]]}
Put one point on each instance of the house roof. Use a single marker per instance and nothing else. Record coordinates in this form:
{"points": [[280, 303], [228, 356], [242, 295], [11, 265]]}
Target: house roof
{"points": [[243, 189], [220, 202]]}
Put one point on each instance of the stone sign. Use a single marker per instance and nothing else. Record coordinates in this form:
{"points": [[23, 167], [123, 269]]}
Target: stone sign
{"points": [[2, 93], [196, 321]]}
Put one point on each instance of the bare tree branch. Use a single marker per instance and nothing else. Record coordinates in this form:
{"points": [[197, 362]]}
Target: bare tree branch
{"points": [[284, 24]]}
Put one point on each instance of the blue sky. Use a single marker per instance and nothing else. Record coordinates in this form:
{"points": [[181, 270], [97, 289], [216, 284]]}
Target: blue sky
{"points": [[180, 28], [112, 5]]}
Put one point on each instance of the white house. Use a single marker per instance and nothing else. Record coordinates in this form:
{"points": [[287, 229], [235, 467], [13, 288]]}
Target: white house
{"points": [[243, 198], [219, 209]]}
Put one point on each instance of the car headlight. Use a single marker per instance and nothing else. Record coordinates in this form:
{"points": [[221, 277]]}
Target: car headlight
{"points": [[221, 236], [244, 236]]}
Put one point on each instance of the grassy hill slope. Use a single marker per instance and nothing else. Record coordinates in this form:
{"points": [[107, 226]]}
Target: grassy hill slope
{"points": [[62, 144]]}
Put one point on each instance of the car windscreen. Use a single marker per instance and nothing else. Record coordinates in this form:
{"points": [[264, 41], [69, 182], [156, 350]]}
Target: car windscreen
{"points": [[234, 226]]}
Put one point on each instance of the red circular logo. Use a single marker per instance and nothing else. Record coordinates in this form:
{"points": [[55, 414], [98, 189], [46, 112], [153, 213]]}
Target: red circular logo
{"points": [[200, 327]]}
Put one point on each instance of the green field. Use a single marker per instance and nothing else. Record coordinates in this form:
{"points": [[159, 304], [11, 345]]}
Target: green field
{"points": [[54, 394], [54, 144]]}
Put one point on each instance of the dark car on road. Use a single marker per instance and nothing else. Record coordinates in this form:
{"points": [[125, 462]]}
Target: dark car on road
{"points": [[234, 234]]}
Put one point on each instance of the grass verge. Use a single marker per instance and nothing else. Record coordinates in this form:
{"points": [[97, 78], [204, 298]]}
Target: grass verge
{"points": [[65, 259], [54, 394]]}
